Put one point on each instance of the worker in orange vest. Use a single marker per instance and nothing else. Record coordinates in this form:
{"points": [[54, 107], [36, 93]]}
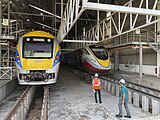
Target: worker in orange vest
{"points": [[96, 88]]}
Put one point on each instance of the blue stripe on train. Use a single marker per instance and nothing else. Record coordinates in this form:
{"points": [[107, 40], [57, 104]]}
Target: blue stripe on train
{"points": [[18, 61], [57, 59]]}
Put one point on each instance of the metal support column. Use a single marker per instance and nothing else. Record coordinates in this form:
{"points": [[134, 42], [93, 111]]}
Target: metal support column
{"points": [[0, 57], [16, 29], [140, 60], [98, 23], [158, 64], [116, 62], [131, 17], [8, 55], [0, 18], [147, 9], [84, 33], [55, 19], [61, 30], [9, 18], [158, 42]]}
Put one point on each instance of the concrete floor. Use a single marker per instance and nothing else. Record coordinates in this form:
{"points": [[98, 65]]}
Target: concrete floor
{"points": [[73, 99]]}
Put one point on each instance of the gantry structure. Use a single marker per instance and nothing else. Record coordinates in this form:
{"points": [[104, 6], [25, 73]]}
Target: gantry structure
{"points": [[122, 25], [116, 24]]}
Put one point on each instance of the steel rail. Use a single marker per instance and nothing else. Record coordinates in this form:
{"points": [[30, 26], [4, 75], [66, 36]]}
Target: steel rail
{"points": [[45, 104], [137, 90]]}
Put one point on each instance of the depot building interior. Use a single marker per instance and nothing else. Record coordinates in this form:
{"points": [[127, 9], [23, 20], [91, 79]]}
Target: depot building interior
{"points": [[128, 29], [131, 35]]}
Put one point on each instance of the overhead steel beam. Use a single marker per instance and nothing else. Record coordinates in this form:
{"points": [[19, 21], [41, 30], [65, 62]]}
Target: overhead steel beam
{"points": [[32, 14], [119, 26], [45, 26], [75, 8], [80, 41], [5, 1], [7, 37], [117, 8], [44, 11], [70, 16], [142, 26], [72, 13]]}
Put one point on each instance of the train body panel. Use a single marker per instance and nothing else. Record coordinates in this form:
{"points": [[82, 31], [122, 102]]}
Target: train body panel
{"points": [[91, 59], [37, 59], [34, 64], [96, 62]]}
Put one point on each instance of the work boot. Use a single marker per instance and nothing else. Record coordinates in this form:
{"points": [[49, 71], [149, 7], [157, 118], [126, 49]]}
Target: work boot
{"points": [[128, 116], [118, 115]]}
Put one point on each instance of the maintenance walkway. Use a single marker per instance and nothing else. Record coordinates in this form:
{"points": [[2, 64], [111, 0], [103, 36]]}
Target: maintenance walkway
{"points": [[73, 99]]}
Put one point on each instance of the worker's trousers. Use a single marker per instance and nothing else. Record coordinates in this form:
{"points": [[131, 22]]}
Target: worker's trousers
{"points": [[126, 107], [99, 93]]}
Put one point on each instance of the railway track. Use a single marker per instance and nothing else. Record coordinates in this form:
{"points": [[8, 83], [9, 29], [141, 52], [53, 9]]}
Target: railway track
{"points": [[148, 99], [22, 107], [45, 104], [132, 86], [139, 88], [140, 96]]}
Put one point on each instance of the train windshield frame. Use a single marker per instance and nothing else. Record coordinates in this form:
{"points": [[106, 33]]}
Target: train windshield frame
{"points": [[37, 47], [100, 52]]}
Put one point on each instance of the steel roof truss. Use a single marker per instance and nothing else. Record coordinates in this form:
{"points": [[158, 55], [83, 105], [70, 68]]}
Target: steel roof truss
{"points": [[73, 12]]}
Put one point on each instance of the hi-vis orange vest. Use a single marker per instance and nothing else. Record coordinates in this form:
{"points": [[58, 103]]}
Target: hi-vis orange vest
{"points": [[96, 83]]}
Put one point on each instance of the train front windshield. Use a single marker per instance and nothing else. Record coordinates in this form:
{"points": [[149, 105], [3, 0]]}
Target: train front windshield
{"points": [[100, 53], [37, 47]]}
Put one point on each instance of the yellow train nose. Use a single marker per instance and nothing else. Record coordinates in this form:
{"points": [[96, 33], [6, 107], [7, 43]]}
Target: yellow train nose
{"points": [[37, 64], [104, 63]]}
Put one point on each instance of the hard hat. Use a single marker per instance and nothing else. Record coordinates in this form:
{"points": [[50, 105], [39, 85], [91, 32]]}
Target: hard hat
{"points": [[122, 81], [96, 75]]}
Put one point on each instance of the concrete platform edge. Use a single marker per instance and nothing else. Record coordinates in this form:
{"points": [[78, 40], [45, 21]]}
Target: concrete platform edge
{"points": [[7, 89]]}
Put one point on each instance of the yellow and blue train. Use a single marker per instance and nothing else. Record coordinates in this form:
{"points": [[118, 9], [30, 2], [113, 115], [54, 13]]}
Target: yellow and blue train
{"points": [[92, 59], [37, 58]]}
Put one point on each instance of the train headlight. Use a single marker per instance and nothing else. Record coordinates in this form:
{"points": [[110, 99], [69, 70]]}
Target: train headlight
{"points": [[28, 39], [49, 40], [57, 58]]}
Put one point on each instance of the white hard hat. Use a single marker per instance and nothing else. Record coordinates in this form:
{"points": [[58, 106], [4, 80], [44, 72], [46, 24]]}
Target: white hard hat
{"points": [[122, 81], [96, 75]]}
